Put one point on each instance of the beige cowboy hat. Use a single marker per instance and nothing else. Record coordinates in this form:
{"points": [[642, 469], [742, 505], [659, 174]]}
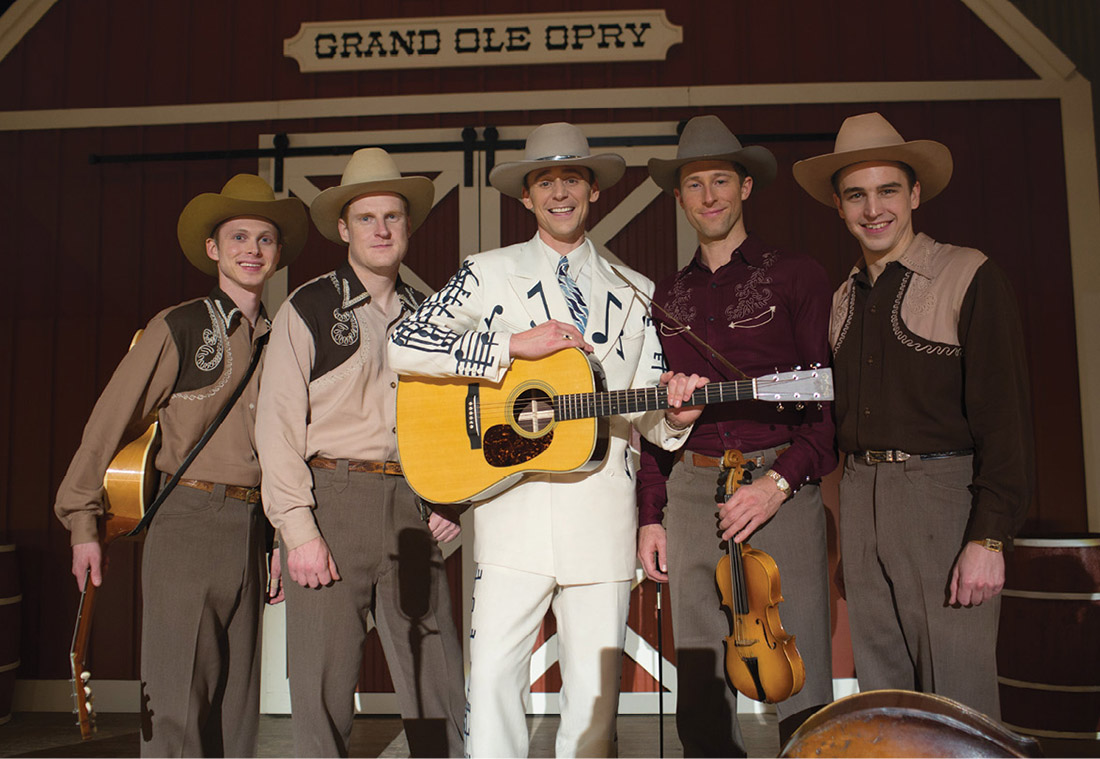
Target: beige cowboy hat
{"points": [[371, 170], [243, 195], [557, 144], [706, 138], [870, 137]]}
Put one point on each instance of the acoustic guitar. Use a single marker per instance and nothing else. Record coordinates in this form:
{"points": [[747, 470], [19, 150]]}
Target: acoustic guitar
{"points": [[466, 440], [129, 484]]}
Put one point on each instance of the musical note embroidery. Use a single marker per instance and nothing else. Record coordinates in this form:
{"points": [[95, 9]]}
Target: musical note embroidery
{"points": [[537, 289], [497, 310], [601, 337]]}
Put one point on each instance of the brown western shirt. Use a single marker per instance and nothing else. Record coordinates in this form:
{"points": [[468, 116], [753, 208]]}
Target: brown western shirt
{"points": [[185, 366], [329, 392], [930, 359]]}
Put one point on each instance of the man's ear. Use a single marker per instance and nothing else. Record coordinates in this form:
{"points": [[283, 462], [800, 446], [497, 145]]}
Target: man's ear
{"points": [[914, 196], [594, 193], [526, 200], [342, 228], [211, 249], [746, 188]]}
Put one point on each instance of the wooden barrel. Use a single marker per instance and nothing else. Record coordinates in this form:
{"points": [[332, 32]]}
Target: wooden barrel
{"points": [[1048, 648], [10, 623]]}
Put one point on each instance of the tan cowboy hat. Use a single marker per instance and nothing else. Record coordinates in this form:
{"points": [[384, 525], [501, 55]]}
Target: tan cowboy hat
{"points": [[243, 195], [371, 170], [557, 144], [870, 137], [706, 138]]}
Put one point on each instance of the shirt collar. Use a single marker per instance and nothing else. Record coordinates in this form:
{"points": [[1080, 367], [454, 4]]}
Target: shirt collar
{"points": [[228, 311], [918, 258], [751, 251], [352, 292], [578, 257]]}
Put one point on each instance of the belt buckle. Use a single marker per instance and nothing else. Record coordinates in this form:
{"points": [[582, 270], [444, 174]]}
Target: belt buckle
{"points": [[884, 457]]}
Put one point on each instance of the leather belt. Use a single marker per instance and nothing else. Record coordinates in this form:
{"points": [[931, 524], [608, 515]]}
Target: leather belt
{"points": [[895, 457], [373, 467], [248, 495]]}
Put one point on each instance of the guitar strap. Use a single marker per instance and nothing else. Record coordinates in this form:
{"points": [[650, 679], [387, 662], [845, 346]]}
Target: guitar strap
{"points": [[257, 350]]}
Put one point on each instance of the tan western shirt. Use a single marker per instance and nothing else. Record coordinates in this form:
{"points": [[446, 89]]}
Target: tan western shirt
{"points": [[185, 366], [329, 392]]}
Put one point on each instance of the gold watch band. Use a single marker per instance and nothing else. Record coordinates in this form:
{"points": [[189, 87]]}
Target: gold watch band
{"points": [[990, 544], [780, 482]]}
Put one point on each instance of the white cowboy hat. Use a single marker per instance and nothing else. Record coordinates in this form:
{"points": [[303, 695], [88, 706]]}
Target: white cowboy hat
{"points": [[557, 144], [243, 195], [870, 137], [706, 138], [371, 170]]}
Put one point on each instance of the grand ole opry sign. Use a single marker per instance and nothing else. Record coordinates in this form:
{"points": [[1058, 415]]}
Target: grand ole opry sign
{"points": [[521, 39]]}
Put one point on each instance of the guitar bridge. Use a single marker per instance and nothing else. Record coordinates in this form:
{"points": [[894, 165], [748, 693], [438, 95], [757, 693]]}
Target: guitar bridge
{"points": [[473, 415]]}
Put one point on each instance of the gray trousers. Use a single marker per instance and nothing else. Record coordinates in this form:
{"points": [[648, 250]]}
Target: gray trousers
{"points": [[202, 578], [391, 566], [706, 706], [902, 527]]}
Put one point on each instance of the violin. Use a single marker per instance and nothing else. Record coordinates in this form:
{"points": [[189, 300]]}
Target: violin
{"points": [[762, 660]]}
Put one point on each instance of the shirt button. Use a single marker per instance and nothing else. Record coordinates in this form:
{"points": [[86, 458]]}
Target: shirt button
{"points": [[393, 384], [867, 411], [710, 318], [394, 430], [874, 309], [252, 406], [714, 284], [870, 359]]}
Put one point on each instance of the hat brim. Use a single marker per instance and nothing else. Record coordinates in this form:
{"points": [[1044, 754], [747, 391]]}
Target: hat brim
{"points": [[931, 161], [758, 162], [418, 192], [205, 212], [607, 168]]}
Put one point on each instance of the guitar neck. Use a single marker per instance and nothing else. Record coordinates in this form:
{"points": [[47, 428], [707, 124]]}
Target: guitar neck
{"points": [[613, 402], [78, 655]]}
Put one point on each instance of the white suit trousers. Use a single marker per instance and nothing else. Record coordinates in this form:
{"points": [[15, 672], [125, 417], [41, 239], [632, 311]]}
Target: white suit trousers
{"points": [[508, 608]]}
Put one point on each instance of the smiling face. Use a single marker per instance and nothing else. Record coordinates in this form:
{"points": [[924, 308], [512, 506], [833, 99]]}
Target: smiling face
{"points": [[376, 228], [246, 249], [559, 197], [711, 194], [876, 202]]}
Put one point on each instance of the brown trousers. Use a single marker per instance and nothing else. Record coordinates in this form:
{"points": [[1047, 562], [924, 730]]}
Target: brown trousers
{"points": [[391, 566], [202, 579], [901, 529], [706, 706]]}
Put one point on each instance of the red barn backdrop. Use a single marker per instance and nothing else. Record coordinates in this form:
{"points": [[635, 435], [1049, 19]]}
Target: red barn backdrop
{"points": [[91, 251]]}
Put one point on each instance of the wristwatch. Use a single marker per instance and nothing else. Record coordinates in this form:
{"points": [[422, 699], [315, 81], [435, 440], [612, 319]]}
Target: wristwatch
{"points": [[780, 482], [990, 544]]}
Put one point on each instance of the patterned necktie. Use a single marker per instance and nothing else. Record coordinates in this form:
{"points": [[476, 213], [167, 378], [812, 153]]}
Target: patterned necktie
{"points": [[577, 308]]}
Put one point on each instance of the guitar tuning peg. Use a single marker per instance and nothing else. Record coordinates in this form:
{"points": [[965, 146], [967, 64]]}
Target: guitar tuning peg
{"points": [[798, 368], [779, 407], [800, 406], [820, 406], [750, 465], [85, 676], [87, 691], [815, 365]]}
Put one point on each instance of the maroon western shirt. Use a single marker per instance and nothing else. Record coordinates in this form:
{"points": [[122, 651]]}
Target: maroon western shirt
{"points": [[766, 310]]}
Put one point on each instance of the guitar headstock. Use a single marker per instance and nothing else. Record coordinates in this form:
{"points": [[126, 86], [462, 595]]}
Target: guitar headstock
{"points": [[811, 385], [83, 701]]}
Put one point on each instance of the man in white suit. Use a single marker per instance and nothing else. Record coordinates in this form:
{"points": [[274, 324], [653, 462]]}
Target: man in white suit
{"points": [[564, 541]]}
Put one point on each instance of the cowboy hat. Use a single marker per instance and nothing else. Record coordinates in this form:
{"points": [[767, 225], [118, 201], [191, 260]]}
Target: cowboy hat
{"points": [[870, 137], [371, 170], [243, 195], [706, 138], [557, 144]]}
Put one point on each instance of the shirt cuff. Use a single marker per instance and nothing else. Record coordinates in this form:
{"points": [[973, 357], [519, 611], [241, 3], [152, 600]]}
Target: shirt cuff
{"points": [[990, 524], [298, 527], [83, 528]]}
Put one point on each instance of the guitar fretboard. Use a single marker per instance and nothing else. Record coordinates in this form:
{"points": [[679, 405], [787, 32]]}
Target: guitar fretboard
{"points": [[586, 405]]}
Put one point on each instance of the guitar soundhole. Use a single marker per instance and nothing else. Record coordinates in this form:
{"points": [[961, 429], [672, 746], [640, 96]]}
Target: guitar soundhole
{"points": [[503, 446], [533, 412]]}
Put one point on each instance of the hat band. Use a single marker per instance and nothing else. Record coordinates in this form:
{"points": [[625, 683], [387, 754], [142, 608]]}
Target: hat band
{"points": [[558, 157]]}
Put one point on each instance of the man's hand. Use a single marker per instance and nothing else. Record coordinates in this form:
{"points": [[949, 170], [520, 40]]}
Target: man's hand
{"points": [[311, 565], [275, 592], [548, 337], [444, 523], [88, 556], [652, 545], [680, 388], [978, 576], [748, 508]]}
